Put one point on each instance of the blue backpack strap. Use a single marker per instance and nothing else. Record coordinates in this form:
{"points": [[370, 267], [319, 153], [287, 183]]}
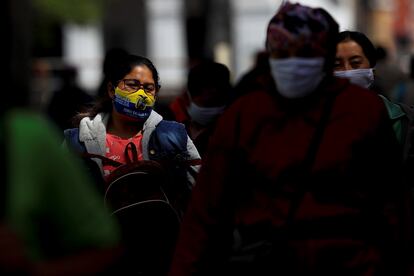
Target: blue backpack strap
{"points": [[168, 140], [71, 136]]}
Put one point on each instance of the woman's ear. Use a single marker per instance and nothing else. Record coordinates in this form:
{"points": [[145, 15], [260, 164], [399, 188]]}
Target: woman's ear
{"points": [[111, 90]]}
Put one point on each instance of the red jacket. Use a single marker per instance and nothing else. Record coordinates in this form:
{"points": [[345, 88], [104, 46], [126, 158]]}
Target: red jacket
{"points": [[348, 219]]}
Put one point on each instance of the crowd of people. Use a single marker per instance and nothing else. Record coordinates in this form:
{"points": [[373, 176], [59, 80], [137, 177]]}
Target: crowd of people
{"points": [[300, 168]]}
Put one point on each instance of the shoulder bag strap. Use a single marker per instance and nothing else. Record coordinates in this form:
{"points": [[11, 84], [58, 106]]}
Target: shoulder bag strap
{"points": [[130, 147], [104, 159]]}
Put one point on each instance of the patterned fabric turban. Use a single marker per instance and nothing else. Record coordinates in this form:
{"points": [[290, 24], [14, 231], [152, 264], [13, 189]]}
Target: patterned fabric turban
{"points": [[309, 30]]}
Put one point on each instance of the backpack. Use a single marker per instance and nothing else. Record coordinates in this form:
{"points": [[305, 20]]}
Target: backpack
{"points": [[147, 197], [135, 193], [167, 147]]}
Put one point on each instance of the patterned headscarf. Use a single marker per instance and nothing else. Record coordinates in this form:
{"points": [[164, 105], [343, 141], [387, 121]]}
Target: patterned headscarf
{"points": [[312, 31]]}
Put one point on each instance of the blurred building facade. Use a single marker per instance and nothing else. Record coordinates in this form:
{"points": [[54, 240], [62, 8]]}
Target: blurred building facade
{"points": [[390, 23], [175, 34]]}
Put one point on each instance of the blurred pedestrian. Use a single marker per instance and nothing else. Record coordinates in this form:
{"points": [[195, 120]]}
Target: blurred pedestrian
{"points": [[356, 60], [42, 84], [388, 73], [208, 92], [53, 221], [252, 79], [68, 100], [403, 92], [301, 178]]}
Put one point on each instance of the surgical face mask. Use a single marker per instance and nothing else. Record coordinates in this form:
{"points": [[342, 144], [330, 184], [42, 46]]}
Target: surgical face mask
{"points": [[204, 115], [136, 105], [361, 77], [297, 77]]}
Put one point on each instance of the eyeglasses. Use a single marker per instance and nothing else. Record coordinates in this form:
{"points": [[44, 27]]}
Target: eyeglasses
{"points": [[132, 85]]}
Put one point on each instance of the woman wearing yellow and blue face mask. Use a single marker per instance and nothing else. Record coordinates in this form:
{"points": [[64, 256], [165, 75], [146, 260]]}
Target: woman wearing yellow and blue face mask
{"points": [[123, 126], [133, 99], [126, 114]]}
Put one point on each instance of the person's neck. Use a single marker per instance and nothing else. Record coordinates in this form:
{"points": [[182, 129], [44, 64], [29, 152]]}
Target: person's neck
{"points": [[123, 128]]}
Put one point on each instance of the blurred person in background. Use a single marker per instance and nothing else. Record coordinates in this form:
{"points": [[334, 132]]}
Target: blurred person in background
{"points": [[52, 221], [388, 73], [42, 84], [403, 92], [356, 60], [208, 94], [251, 80], [68, 100], [299, 179]]}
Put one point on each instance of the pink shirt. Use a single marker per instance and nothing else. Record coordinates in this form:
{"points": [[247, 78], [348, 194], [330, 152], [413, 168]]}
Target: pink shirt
{"points": [[115, 150]]}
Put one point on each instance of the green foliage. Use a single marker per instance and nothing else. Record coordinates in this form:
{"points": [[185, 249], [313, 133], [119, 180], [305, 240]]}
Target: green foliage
{"points": [[78, 11]]}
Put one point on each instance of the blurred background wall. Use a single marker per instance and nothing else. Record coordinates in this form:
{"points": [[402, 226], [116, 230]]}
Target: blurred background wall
{"points": [[175, 34]]}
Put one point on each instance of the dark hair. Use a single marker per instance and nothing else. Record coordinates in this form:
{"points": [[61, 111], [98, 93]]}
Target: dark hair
{"points": [[362, 40], [381, 53], [208, 74], [123, 65], [119, 68], [111, 56]]}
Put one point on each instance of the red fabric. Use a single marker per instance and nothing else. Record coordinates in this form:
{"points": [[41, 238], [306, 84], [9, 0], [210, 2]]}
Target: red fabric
{"points": [[179, 108], [115, 150], [262, 137]]}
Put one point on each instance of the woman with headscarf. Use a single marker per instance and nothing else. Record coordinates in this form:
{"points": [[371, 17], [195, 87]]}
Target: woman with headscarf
{"points": [[297, 179]]}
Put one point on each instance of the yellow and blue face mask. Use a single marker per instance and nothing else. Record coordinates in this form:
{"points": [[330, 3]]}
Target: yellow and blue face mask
{"points": [[137, 105]]}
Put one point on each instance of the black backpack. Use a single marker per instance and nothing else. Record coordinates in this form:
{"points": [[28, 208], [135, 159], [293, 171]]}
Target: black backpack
{"points": [[146, 196], [167, 146], [135, 193]]}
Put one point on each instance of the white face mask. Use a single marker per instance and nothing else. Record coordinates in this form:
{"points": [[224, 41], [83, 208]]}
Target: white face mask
{"points": [[204, 115], [297, 77], [361, 77]]}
